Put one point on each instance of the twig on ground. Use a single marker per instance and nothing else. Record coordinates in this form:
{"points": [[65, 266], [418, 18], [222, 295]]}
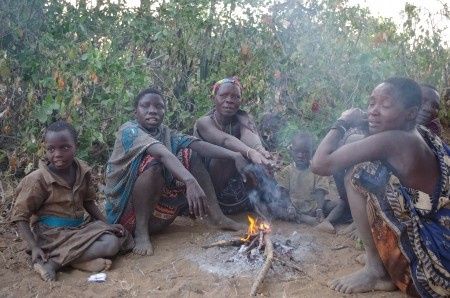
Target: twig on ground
{"points": [[339, 247], [262, 274], [289, 263]]}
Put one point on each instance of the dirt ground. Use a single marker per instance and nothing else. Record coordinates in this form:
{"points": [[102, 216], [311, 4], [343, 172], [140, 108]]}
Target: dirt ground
{"points": [[182, 268]]}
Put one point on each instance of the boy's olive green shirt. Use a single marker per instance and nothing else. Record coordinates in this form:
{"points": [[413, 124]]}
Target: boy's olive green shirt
{"points": [[301, 184], [44, 193]]}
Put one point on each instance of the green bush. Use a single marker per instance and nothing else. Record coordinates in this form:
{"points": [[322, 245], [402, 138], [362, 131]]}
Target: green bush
{"points": [[308, 60]]}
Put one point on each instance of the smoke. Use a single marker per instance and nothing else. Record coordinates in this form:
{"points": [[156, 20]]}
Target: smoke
{"points": [[265, 195]]}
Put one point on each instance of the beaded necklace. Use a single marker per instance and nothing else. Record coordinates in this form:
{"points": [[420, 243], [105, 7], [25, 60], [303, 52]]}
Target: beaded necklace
{"points": [[220, 126]]}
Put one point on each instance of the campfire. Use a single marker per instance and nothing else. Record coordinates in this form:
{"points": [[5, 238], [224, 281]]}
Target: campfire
{"points": [[256, 231], [257, 240]]}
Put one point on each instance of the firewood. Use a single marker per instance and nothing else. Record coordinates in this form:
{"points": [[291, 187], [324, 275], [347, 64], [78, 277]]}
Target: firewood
{"points": [[222, 243], [251, 245], [262, 274], [261, 236]]}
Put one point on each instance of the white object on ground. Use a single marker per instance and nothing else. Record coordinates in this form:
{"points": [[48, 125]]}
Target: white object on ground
{"points": [[99, 277]]}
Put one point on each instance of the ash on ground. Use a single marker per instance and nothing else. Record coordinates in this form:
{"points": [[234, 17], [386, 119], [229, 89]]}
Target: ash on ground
{"points": [[232, 261]]}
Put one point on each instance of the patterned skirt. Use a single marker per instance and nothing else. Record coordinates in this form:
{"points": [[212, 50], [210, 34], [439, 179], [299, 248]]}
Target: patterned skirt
{"points": [[173, 197], [416, 260]]}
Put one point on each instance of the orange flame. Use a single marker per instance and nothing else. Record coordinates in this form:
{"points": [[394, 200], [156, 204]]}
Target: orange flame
{"points": [[255, 225]]}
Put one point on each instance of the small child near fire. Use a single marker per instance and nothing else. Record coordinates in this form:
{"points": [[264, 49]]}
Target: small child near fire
{"points": [[54, 199], [311, 196]]}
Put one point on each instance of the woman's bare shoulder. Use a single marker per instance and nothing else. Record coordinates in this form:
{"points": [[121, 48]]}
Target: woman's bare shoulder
{"points": [[204, 120]]}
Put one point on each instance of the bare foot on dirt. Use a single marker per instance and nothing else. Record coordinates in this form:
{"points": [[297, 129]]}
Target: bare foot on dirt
{"points": [[326, 226], [351, 232], [347, 229], [143, 246], [46, 270], [303, 218], [354, 235], [95, 265], [361, 259], [364, 280]]}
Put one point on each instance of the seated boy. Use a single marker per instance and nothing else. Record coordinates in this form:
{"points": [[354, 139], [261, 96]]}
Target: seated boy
{"points": [[50, 208], [147, 186], [307, 192]]}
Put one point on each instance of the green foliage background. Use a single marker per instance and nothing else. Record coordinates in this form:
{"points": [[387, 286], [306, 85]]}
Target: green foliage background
{"points": [[308, 60]]}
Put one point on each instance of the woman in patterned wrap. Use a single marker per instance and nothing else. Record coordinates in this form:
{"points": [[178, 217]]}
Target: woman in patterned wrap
{"points": [[398, 192]]}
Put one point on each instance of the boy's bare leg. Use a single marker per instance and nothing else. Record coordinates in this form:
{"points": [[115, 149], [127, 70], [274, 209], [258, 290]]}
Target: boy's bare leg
{"points": [[146, 192], [373, 276], [106, 246], [326, 226], [337, 210], [93, 259], [213, 209], [304, 218]]}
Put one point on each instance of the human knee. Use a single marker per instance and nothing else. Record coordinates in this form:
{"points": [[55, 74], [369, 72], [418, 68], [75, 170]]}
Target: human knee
{"points": [[111, 245], [198, 168], [340, 204], [154, 171], [152, 176]]}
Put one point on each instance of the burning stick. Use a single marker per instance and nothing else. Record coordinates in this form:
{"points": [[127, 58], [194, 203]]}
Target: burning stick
{"points": [[269, 257], [261, 237], [251, 245], [221, 243]]}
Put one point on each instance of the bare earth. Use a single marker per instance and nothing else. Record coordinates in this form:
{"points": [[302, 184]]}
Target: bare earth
{"points": [[181, 268]]}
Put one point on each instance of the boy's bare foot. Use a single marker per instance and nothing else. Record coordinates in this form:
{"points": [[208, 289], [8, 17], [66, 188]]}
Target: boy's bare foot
{"points": [[351, 232], [361, 259], [304, 218], [46, 270], [143, 246], [354, 235], [348, 229], [364, 280], [95, 265], [326, 226]]}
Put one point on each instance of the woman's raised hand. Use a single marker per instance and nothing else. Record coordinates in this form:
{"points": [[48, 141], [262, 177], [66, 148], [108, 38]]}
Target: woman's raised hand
{"points": [[258, 158]]}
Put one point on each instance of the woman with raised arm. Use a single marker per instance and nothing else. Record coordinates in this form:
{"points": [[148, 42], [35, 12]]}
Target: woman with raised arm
{"points": [[398, 192]]}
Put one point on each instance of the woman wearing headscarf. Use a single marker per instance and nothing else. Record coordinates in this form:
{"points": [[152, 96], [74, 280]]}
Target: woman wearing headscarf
{"points": [[228, 126]]}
